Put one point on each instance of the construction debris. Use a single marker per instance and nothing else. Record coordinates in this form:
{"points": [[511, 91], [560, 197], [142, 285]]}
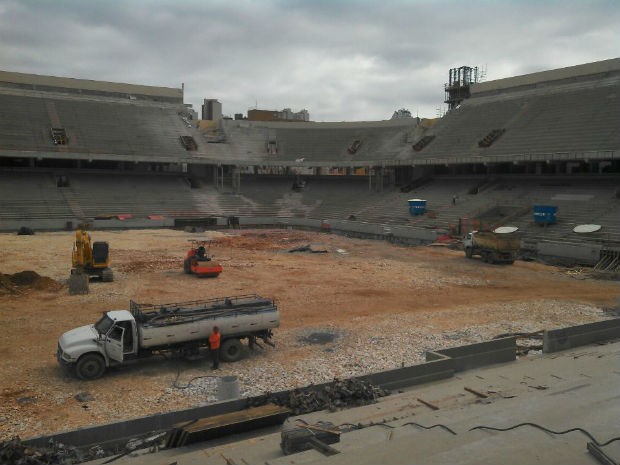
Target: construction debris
{"points": [[482, 395], [428, 404], [25, 231], [15, 452], [336, 395], [302, 436], [307, 248]]}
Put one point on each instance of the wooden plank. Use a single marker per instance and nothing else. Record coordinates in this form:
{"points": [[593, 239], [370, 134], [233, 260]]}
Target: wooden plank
{"points": [[241, 416], [219, 425]]}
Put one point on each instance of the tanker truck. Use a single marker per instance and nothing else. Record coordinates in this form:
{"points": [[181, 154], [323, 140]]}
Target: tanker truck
{"points": [[123, 336], [492, 247]]}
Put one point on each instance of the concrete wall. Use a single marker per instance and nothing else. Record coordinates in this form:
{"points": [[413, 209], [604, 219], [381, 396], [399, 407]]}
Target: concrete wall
{"points": [[88, 84], [37, 225], [133, 223], [550, 75], [575, 336], [61, 224], [585, 254], [477, 355]]}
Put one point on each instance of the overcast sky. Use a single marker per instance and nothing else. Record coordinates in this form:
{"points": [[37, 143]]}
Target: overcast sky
{"points": [[340, 60]]}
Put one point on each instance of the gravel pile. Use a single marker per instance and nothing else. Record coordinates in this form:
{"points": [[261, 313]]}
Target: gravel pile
{"points": [[401, 340]]}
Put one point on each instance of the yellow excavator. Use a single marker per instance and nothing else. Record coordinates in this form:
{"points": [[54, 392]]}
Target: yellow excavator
{"points": [[91, 258]]}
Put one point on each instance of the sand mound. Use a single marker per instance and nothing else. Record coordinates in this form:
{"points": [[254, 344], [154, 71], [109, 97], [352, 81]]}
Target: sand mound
{"points": [[24, 280]]}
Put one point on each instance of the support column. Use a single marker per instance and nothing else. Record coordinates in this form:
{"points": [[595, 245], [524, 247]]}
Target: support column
{"points": [[236, 180], [216, 176], [379, 173]]}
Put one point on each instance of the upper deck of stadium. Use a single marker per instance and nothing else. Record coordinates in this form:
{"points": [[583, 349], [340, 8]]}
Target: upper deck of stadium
{"points": [[563, 114]]}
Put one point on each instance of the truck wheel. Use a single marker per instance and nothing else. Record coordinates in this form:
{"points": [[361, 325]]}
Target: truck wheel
{"points": [[468, 252], [231, 350], [186, 266], [90, 366]]}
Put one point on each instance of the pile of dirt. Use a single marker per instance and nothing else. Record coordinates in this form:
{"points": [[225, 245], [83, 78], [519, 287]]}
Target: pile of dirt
{"points": [[257, 240], [19, 282]]}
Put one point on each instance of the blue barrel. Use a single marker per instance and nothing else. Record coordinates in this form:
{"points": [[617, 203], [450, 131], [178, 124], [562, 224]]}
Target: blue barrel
{"points": [[417, 206], [545, 214]]}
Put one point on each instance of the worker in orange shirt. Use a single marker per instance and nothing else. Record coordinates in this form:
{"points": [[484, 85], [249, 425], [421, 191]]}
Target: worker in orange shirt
{"points": [[214, 346]]}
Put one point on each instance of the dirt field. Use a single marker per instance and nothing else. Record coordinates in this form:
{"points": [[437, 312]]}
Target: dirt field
{"points": [[384, 305]]}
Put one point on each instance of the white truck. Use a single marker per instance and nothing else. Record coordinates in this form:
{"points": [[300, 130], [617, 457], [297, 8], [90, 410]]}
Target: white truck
{"points": [[121, 336], [492, 247]]}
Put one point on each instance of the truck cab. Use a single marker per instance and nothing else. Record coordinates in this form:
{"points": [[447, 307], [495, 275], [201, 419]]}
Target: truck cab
{"points": [[92, 348], [120, 335], [467, 240]]}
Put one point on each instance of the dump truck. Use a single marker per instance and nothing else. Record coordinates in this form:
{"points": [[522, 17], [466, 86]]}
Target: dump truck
{"points": [[492, 247], [123, 336]]}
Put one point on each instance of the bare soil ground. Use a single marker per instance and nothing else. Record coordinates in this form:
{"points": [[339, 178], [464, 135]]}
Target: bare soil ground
{"points": [[384, 304]]}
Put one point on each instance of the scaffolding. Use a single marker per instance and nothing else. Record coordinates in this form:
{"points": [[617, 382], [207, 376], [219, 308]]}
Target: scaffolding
{"points": [[458, 87]]}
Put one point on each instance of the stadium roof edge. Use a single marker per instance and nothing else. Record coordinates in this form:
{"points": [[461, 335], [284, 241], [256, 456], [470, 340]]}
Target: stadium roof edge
{"points": [[586, 69], [404, 122], [88, 84]]}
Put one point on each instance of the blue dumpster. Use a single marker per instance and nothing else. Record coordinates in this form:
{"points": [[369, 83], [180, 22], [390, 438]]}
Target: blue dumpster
{"points": [[417, 206], [545, 214]]}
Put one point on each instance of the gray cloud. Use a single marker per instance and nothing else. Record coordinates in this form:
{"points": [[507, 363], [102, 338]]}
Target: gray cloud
{"points": [[341, 60]]}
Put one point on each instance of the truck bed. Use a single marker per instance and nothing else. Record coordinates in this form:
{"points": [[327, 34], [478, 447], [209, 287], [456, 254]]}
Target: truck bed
{"points": [[498, 242]]}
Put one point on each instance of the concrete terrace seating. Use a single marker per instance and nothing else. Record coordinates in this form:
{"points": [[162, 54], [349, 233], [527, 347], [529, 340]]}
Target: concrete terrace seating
{"points": [[581, 120], [572, 118], [459, 131], [92, 126], [24, 124], [31, 196], [331, 144], [579, 201], [140, 196], [273, 196], [319, 142]]}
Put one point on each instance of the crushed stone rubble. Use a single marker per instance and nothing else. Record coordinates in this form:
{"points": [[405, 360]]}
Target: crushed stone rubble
{"points": [[401, 340]]}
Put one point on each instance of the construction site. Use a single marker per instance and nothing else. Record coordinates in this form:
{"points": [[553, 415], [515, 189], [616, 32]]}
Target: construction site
{"points": [[407, 286]]}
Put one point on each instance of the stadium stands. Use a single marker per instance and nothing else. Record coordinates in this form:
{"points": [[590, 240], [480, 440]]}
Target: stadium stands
{"points": [[564, 118], [92, 126], [324, 143], [545, 138], [31, 196]]}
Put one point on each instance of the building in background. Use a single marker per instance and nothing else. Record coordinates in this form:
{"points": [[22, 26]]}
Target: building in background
{"points": [[192, 114], [211, 109], [273, 115]]}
